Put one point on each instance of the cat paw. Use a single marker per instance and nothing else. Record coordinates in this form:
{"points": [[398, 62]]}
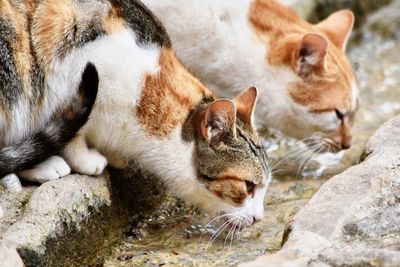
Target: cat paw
{"points": [[52, 168], [90, 163]]}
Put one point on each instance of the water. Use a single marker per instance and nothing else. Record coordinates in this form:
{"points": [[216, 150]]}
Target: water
{"points": [[172, 236]]}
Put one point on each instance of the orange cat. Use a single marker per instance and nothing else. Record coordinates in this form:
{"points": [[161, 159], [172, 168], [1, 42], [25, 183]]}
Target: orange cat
{"points": [[307, 87]]}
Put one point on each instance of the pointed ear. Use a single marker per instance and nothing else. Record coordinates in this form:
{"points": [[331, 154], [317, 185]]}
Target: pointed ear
{"points": [[218, 120], [245, 103], [311, 53], [338, 27]]}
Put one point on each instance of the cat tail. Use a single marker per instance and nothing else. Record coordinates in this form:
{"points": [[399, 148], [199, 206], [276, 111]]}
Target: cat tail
{"points": [[61, 128]]}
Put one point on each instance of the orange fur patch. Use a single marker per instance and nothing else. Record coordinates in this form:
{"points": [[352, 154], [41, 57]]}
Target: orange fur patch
{"points": [[17, 15], [57, 18], [168, 96], [229, 189], [112, 22]]}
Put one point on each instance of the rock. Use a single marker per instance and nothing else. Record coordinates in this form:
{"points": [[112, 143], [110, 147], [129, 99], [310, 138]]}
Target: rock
{"points": [[11, 183], [9, 257], [353, 220], [385, 23], [75, 221], [361, 8]]}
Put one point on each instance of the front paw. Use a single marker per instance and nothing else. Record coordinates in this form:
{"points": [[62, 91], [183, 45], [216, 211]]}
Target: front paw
{"points": [[52, 168], [91, 162]]}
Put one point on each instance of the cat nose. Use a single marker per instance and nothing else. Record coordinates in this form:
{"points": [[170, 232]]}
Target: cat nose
{"points": [[346, 145]]}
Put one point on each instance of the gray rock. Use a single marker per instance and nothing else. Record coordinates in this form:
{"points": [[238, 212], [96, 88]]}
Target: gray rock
{"points": [[74, 221], [354, 219], [362, 8], [385, 23], [11, 183]]}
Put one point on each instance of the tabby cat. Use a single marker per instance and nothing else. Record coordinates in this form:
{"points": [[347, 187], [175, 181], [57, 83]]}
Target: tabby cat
{"points": [[307, 87], [149, 108]]}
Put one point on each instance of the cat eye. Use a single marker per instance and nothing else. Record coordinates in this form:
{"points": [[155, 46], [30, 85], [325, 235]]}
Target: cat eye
{"points": [[339, 115], [250, 187]]}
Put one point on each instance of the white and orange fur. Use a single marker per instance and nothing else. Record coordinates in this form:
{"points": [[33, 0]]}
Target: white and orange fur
{"points": [[144, 108], [307, 87]]}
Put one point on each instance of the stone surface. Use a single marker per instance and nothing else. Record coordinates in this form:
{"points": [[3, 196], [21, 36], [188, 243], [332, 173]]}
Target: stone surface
{"points": [[354, 219], [178, 234], [75, 221], [362, 8], [384, 23]]}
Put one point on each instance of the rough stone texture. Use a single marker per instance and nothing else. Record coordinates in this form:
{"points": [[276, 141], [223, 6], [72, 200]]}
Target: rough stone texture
{"points": [[74, 221], [386, 22], [354, 219], [360, 7]]}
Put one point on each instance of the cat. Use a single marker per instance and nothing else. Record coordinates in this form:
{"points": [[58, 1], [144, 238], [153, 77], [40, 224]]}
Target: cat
{"points": [[307, 87], [35, 123], [149, 108]]}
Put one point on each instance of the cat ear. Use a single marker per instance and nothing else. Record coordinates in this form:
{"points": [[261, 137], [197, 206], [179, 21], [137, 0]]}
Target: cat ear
{"points": [[245, 103], [218, 120], [338, 27], [311, 54]]}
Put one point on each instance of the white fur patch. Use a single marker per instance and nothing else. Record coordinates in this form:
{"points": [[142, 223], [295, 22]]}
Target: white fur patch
{"points": [[53, 168]]}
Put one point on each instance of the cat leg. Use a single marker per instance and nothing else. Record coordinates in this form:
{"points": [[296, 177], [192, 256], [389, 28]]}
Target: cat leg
{"points": [[84, 160], [52, 168]]}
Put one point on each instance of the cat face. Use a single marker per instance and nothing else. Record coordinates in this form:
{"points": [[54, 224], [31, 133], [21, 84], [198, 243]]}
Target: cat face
{"points": [[316, 83], [324, 95], [230, 162]]}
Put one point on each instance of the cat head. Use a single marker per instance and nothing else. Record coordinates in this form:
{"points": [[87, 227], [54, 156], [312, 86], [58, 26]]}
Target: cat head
{"points": [[318, 84], [231, 165]]}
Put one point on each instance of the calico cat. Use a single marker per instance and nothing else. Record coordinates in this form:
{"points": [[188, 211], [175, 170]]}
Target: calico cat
{"points": [[35, 122], [55, 134], [149, 108], [307, 87]]}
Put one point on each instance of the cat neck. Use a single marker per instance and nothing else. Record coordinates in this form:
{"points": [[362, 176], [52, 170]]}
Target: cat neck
{"points": [[168, 96]]}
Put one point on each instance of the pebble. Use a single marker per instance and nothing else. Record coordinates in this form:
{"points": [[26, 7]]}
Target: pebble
{"points": [[11, 183]]}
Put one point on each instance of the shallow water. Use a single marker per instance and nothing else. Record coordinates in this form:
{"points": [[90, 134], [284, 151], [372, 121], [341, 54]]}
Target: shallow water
{"points": [[176, 235]]}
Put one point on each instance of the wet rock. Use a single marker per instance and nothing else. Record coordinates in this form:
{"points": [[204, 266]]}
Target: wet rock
{"points": [[76, 220], [353, 220]]}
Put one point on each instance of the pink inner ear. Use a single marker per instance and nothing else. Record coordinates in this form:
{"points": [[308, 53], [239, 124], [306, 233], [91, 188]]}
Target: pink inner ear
{"points": [[245, 103], [311, 53], [338, 27], [220, 116]]}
